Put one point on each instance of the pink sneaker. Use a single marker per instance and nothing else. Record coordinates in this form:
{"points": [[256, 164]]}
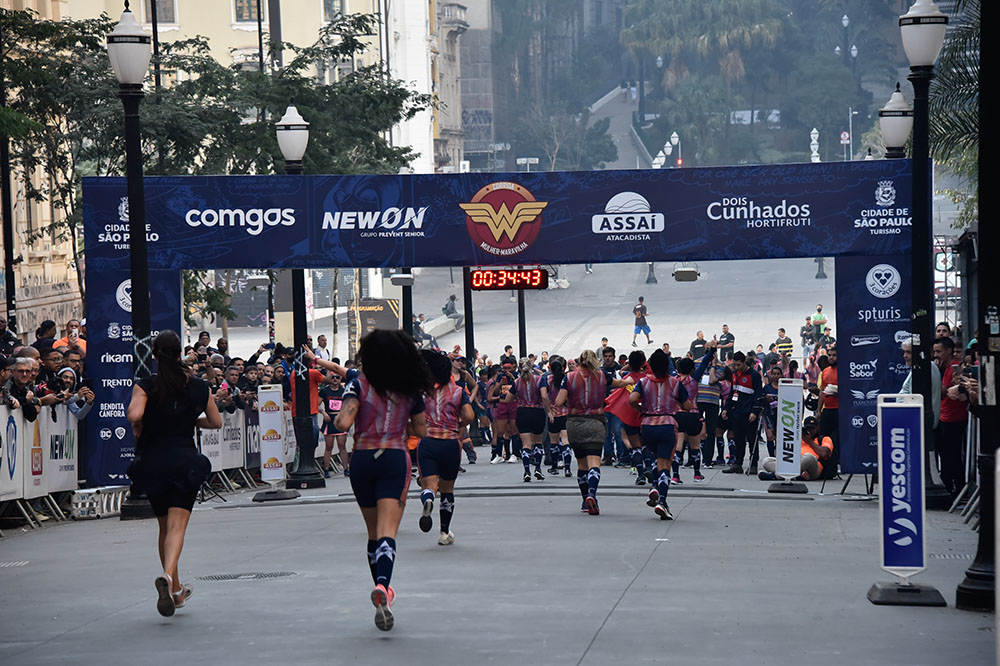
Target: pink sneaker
{"points": [[382, 599]]}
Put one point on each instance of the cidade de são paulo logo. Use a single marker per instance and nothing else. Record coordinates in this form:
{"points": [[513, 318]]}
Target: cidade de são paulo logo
{"points": [[887, 218], [758, 215], [118, 233], [389, 223], [503, 218], [627, 217], [253, 220], [883, 281]]}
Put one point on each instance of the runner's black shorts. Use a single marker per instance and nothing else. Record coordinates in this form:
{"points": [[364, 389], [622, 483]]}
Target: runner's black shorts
{"points": [[530, 420], [630, 430], [330, 429], [661, 440], [558, 424], [173, 498], [689, 423], [438, 457], [380, 474]]}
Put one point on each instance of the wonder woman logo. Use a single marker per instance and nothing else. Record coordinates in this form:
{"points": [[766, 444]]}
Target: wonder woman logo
{"points": [[503, 218]]}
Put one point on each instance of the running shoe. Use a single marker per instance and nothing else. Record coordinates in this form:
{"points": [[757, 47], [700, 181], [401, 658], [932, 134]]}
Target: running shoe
{"points": [[733, 469], [592, 507], [347, 471], [654, 497], [326, 473], [446, 539], [677, 480], [527, 477], [640, 480], [462, 469], [514, 460], [568, 473], [634, 345], [709, 465], [584, 508], [495, 460], [164, 599], [699, 477], [180, 598], [553, 470], [382, 599], [426, 521], [663, 511], [719, 461], [539, 475]]}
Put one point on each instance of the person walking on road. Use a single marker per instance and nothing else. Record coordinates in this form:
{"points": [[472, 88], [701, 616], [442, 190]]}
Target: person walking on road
{"points": [[164, 411], [742, 409], [583, 392], [639, 311], [383, 403], [439, 454], [660, 397], [529, 419]]}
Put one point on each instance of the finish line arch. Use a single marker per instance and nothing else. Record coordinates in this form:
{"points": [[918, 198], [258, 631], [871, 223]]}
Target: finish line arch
{"points": [[857, 212]]}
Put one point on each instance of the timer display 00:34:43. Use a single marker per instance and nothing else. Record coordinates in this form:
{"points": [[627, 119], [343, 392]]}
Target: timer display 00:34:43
{"points": [[509, 278]]}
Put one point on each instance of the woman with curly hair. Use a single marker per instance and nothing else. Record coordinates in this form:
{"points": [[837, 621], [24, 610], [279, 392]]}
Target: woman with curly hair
{"points": [[384, 403]]}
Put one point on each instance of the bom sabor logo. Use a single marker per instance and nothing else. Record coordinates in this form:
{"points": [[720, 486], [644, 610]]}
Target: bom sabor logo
{"points": [[503, 218], [272, 463], [271, 435], [269, 406]]}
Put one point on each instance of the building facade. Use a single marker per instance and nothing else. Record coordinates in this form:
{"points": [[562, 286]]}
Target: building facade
{"points": [[449, 149], [45, 274]]}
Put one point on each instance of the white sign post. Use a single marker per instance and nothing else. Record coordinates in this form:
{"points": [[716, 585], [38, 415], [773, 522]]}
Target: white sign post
{"points": [[271, 413], [789, 437]]}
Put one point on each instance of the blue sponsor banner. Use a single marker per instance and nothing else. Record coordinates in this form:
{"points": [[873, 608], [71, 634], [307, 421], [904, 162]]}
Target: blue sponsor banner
{"points": [[858, 209], [901, 479], [873, 317], [789, 210]]}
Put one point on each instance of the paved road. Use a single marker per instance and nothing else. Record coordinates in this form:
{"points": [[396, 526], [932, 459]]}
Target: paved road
{"points": [[739, 578], [753, 297]]}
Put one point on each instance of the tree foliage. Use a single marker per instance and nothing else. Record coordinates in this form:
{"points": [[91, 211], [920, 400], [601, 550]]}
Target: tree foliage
{"points": [[65, 119], [955, 110]]}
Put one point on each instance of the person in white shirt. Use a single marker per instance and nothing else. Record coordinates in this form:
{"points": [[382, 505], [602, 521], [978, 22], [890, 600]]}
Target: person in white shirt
{"points": [[321, 351]]}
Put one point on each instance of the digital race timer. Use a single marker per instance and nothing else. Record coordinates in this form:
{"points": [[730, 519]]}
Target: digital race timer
{"points": [[509, 278]]}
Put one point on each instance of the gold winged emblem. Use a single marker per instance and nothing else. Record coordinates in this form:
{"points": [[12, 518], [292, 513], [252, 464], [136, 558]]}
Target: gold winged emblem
{"points": [[505, 220]]}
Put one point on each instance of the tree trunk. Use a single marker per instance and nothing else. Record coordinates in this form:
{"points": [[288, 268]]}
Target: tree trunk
{"points": [[229, 290], [336, 321]]}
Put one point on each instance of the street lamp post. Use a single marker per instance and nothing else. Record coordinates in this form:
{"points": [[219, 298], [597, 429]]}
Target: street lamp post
{"points": [[651, 276], [293, 137], [675, 140], [922, 30], [129, 50], [814, 145]]}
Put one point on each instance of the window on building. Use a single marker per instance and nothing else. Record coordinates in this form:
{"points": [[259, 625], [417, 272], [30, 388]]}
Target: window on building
{"points": [[246, 10], [333, 8], [166, 11]]}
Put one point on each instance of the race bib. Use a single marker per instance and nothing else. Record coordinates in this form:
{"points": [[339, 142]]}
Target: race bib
{"points": [[736, 397], [704, 380], [335, 404]]}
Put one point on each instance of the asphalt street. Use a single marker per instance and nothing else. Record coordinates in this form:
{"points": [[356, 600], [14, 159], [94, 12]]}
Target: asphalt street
{"points": [[740, 577], [753, 297]]}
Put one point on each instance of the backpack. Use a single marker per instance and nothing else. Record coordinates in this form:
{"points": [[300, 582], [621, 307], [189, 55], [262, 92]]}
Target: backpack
{"points": [[444, 309]]}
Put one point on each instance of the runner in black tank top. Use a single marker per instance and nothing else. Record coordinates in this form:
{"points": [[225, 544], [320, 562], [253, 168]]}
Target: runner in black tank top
{"points": [[164, 411]]}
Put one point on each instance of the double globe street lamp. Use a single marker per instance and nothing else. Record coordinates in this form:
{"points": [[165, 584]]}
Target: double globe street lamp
{"points": [[923, 29]]}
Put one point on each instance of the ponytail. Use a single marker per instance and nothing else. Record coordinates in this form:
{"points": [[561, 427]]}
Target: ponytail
{"points": [[170, 374]]}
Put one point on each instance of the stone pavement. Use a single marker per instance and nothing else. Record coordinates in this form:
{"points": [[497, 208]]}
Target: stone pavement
{"points": [[740, 577]]}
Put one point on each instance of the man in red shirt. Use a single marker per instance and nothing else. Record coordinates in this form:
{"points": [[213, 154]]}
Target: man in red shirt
{"points": [[829, 403], [315, 379], [949, 436]]}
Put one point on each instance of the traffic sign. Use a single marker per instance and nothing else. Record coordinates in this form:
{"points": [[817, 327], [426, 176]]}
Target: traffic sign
{"points": [[845, 138]]}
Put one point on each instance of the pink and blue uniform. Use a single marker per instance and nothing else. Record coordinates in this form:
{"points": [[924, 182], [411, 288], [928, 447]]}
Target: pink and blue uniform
{"points": [[380, 464], [585, 392], [440, 453]]}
